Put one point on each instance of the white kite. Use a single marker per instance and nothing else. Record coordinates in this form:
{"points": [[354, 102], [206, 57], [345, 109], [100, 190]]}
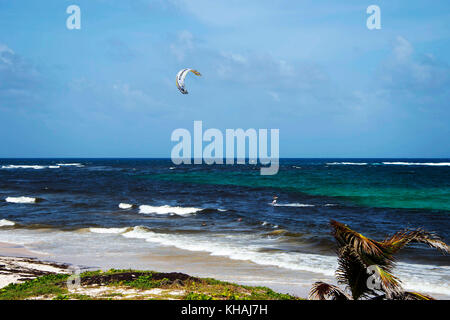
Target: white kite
{"points": [[181, 75]]}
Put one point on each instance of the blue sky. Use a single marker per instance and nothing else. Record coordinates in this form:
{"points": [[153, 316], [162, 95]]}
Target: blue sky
{"points": [[309, 68]]}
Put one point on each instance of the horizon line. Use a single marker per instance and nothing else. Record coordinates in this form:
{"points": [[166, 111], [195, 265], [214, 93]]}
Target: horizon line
{"points": [[168, 158]]}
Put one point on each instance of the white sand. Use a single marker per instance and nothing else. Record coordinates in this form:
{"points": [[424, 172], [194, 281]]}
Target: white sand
{"points": [[18, 264]]}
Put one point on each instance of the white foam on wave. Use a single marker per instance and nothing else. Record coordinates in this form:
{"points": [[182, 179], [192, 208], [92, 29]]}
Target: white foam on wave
{"points": [[26, 166], [418, 163], [299, 205], [425, 278], [20, 200], [145, 209], [70, 164], [237, 248], [23, 166], [125, 206], [348, 163], [109, 230], [6, 223]]}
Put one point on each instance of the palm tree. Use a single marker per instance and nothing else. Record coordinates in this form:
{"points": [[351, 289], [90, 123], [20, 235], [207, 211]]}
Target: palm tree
{"points": [[362, 260]]}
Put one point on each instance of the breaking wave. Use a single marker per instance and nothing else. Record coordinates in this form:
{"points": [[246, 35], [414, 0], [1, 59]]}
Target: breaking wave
{"points": [[348, 163], [109, 230], [22, 200], [145, 209], [443, 164], [6, 223], [298, 205], [126, 206], [24, 166]]}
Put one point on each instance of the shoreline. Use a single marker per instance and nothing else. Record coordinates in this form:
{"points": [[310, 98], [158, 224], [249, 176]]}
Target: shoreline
{"points": [[162, 259], [142, 255], [18, 266]]}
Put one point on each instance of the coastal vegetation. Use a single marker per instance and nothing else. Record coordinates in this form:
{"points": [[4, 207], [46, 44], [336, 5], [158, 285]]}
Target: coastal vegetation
{"points": [[135, 285]]}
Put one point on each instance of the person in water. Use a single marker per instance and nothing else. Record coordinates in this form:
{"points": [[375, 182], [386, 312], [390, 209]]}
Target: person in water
{"points": [[274, 201]]}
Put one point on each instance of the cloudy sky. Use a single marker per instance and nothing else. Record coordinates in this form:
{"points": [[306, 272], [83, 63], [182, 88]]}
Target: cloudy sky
{"points": [[309, 68]]}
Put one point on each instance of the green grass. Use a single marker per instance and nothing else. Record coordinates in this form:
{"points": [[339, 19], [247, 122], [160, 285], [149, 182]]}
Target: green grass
{"points": [[54, 287], [42, 286], [143, 283]]}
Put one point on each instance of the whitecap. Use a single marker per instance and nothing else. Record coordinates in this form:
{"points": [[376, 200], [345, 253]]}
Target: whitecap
{"points": [[418, 163], [125, 206], [70, 164], [20, 200], [109, 230], [299, 205], [6, 223], [23, 166], [145, 209], [26, 166], [348, 163]]}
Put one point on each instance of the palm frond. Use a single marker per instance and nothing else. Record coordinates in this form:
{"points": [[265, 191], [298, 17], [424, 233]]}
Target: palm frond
{"points": [[357, 253], [389, 283], [353, 272], [346, 236], [371, 252], [324, 291], [403, 238], [409, 295]]}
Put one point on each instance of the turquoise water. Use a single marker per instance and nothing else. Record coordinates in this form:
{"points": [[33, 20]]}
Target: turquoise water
{"points": [[409, 184]]}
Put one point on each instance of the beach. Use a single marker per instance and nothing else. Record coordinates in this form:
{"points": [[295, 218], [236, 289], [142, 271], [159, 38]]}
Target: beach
{"points": [[162, 260], [18, 265]]}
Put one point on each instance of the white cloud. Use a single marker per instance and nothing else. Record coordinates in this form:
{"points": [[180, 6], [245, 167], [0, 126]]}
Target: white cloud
{"points": [[18, 79], [402, 49], [275, 96], [410, 73], [184, 44], [5, 54]]}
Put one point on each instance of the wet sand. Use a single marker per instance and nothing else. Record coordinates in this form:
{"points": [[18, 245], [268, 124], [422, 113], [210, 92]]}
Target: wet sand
{"points": [[17, 250], [18, 264]]}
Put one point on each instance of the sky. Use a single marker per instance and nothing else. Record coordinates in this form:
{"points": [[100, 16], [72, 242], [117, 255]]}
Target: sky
{"points": [[311, 69]]}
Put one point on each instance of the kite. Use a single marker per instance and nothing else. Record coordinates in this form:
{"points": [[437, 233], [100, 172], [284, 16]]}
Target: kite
{"points": [[181, 75]]}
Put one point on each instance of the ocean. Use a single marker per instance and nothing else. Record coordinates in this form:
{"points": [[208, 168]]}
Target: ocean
{"points": [[218, 220]]}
